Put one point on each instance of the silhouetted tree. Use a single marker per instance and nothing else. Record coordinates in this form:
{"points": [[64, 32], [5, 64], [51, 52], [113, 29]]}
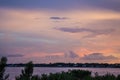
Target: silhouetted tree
{"points": [[27, 73], [3, 62]]}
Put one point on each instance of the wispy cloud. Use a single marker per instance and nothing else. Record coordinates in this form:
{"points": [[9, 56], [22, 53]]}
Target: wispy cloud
{"points": [[77, 30], [98, 57], [15, 55], [11, 55], [94, 32], [71, 54]]}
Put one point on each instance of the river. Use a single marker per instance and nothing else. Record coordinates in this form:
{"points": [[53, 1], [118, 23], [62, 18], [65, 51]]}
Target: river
{"points": [[15, 71]]}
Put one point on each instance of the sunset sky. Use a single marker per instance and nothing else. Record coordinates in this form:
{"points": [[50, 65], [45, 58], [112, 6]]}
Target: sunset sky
{"points": [[44, 31]]}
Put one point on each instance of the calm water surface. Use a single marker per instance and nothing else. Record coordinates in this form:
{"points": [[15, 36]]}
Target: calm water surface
{"points": [[15, 71]]}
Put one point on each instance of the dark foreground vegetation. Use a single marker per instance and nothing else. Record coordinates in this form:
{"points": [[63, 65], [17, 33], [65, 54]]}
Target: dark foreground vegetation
{"points": [[27, 74]]}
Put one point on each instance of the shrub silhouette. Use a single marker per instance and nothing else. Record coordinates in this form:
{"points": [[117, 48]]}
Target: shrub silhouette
{"points": [[118, 77], [70, 75], [27, 73], [3, 62], [80, 74]]}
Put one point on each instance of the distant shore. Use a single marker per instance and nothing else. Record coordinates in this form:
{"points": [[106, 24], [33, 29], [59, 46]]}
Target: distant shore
{"points": [[82, 65]]}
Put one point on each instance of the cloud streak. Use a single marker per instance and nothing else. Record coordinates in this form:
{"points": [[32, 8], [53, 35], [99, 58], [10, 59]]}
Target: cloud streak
{"points": [[77, 30], [58, 18], [93, 32], [11, 55]]}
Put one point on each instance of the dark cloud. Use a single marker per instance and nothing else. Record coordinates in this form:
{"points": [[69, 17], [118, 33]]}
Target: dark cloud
{"points": [[94, 32], [58, 18], [61, 4], [71, 54], [98, 57], [77, 30]]}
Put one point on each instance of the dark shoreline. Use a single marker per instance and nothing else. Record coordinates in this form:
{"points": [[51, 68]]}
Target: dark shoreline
{"points": [[69, 65]]}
